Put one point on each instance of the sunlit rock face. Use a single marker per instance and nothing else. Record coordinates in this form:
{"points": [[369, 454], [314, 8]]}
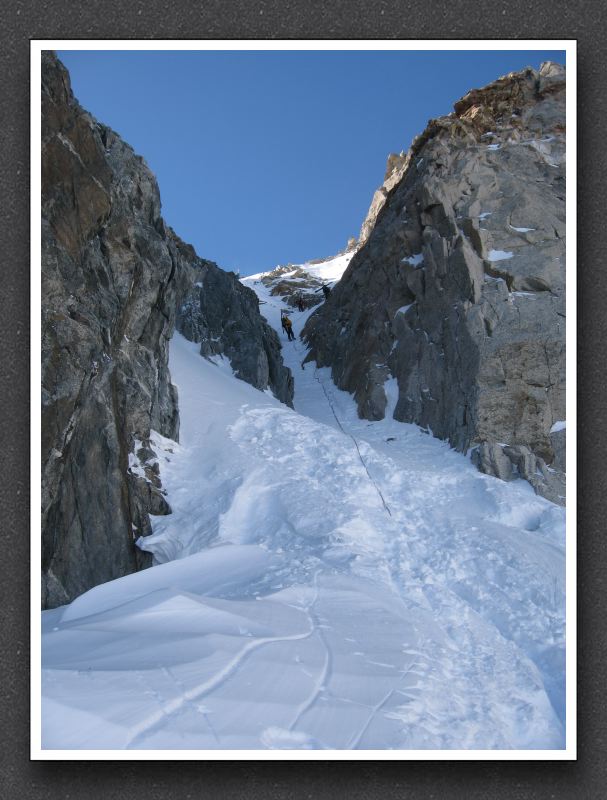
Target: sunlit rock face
{"points": [[458, 289]]}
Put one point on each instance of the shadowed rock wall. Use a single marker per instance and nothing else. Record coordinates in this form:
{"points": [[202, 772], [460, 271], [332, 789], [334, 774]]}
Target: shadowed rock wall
{"points": [[112, 277], [216, 310]]}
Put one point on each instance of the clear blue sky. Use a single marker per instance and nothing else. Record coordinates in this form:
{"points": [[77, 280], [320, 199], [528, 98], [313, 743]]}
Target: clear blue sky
{"points": [[268, 157]]}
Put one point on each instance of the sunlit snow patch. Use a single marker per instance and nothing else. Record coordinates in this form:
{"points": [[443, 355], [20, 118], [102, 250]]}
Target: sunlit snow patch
{"points": [[415, 260], [522, 230], [499, 255], [392, 392]]}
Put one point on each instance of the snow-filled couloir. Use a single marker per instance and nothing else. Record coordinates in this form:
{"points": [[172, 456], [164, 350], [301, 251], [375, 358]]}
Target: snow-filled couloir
{"points": [[323, 582]]}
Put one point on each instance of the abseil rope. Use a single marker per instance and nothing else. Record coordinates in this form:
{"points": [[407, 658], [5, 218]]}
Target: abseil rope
{"points": [[347, 433]]}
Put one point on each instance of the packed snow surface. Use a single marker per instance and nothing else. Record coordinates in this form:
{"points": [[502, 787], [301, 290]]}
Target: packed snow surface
{"points": [[323, 582]]}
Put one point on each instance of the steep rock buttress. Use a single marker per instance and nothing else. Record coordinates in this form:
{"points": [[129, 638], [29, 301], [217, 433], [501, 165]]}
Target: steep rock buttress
{"points": [[458, 288], [114, 280]]}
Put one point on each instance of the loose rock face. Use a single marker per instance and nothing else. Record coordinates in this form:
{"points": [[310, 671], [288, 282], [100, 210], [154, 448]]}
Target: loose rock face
{"points": [[459, 288], [113, 276]]}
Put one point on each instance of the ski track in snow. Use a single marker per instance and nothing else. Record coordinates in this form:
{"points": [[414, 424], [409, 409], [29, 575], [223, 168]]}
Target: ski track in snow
{"points": [[323, 582]]}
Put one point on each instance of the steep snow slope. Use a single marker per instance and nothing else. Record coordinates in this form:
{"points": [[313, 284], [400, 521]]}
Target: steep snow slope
{"points": [[323, 582]]}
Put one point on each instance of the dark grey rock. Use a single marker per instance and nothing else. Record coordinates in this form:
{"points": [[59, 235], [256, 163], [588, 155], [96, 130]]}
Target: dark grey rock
{"points": [[108, 290], [558, 440], [491, 459]]}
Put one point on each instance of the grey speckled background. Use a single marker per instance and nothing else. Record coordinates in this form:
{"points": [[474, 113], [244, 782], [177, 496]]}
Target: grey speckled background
{"points": [[20, 21]]}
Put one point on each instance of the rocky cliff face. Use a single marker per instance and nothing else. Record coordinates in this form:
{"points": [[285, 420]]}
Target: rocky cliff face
{"points": [[113, 276], [459, 288], [395, 169], [217, 311]]}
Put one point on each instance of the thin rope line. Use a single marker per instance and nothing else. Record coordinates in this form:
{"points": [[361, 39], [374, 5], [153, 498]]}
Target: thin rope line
{"points": [[347, 433]]}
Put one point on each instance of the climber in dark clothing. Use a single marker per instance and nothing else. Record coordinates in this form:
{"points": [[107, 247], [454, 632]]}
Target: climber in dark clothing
{"points": [[300, 303], [287, 326], [326, 290]]}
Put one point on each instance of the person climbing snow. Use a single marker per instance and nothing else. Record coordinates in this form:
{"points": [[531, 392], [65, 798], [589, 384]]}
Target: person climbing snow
{"points": [[287, 326], [326, 290], [300, 303]]}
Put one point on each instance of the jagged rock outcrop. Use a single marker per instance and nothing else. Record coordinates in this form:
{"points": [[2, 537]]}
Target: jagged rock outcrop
{"points": [[459, 288], [112, 277], [215, 309], [293, 283]]}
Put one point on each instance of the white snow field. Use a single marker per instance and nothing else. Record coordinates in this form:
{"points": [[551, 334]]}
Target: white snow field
{"points": [[323, 582]]}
